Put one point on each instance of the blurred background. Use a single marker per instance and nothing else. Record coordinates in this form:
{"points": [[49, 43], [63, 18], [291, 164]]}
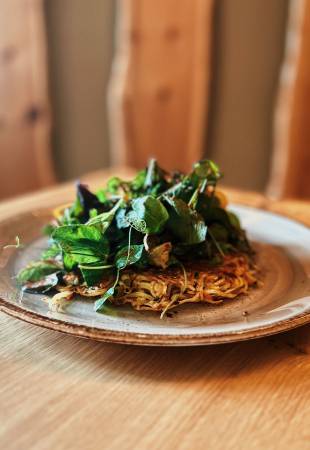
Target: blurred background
{"points": [[89, 84]]}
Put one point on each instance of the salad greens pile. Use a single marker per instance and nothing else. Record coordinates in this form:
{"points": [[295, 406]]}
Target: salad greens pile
{"points": [[157, 219]]}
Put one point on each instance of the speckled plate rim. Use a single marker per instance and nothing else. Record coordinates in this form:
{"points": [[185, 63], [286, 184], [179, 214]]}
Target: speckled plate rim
{"points": [[119, 337], [155, 339]]}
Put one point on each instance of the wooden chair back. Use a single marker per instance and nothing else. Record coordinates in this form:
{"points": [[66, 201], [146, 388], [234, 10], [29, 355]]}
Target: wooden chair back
{"points": [[24, 109], [158, 94], [290, 174], [159, 90]]}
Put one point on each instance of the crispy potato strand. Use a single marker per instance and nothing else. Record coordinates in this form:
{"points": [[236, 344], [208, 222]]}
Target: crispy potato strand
{"points": [[162, 290]]}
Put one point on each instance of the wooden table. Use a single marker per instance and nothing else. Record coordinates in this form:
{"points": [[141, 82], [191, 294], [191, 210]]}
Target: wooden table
{"points": [[60, 392]]}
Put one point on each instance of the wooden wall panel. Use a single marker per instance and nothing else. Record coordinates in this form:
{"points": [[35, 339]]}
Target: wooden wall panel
{"points": [[290, 174], [158, 93], [24, 112]]}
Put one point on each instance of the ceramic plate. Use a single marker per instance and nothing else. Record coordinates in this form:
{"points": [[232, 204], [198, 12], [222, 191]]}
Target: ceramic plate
{"points": [[282, 303]]}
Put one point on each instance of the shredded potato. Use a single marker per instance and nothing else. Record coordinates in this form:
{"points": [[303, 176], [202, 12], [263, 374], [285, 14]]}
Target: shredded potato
{"points": [[161, 290]]}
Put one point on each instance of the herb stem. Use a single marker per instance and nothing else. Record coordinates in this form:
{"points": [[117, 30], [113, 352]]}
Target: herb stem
{"points": [[170, 190], [17, 245], [129, 244], [217, 245], [108, 266], [105, 216], [193, 200], [150, 173], [203, 186]]}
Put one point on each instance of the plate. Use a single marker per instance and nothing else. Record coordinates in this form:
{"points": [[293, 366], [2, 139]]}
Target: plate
{"points": [[282, 303]]}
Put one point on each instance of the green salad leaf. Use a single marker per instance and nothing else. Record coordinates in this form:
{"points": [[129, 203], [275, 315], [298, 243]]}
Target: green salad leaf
{"points": [[81, 244], [52, 252], [185, 223], [99, 304], [92, 275], [128, 255], [148, 215], [37, 270], [105, 218]]}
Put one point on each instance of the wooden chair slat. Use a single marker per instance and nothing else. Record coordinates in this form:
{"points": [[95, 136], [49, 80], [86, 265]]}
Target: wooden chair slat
{"points": [[291, 159], [158, 93], [24, 108]]}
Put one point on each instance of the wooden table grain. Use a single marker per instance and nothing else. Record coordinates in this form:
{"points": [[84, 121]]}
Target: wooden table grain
{"points": [[61, 392]]}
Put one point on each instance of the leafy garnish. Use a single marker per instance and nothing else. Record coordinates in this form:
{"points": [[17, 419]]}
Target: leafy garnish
{"points": [[81, 244], [157, 219], [52, 252], [148, 215], [37, 270], [99, 304], [128, 255], [185, 223], [105, 218], [93, 275]]}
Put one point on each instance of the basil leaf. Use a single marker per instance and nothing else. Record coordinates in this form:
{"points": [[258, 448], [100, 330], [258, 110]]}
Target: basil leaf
{"points": [[113, 185], [92, 276], [48, 229], [128, 255], [219, 232], [105, 218], [149, 215], [185, 223], [101, 194], [81, 244], [51, 252], [205, 206], [69, 234], [215, 214], [36, 271], [234, 220], [69, 261]]}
